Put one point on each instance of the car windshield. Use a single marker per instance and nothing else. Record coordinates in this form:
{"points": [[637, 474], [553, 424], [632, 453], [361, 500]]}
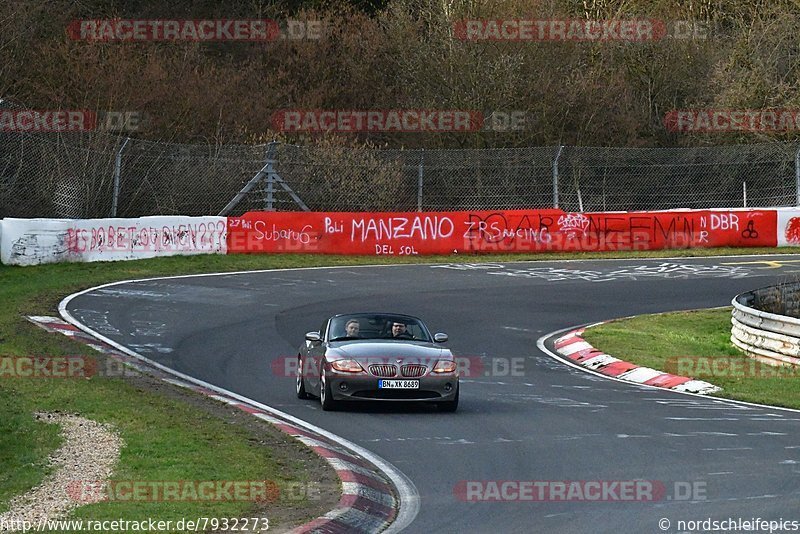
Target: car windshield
{"points": [[377, 326]]}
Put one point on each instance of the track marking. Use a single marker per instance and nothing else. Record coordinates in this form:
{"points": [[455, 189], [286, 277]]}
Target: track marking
{"points": [[769, 264], [540, 344], [407, 493]]}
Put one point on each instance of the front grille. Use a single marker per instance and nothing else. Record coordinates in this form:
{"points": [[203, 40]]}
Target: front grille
{"points": [[383, 370], [413, 370]]}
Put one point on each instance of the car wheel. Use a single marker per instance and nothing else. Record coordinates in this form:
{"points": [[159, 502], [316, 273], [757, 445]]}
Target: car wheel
{"points": [[325, 396], [450, 406], [301, 384]]}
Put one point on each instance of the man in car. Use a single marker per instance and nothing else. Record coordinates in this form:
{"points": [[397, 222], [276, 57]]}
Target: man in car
{"points": [[399, 330], [352, 328]]}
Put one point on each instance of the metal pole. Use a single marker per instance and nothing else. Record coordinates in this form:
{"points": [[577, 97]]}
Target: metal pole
{"points": [[555, 176], [246, 189], [797, 177], [270, 172], [744, 194], [420, 174], [117, 172]]}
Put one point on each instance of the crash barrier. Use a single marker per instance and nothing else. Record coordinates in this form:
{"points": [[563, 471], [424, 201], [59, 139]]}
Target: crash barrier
{"points": [[36, 241], [33, 241], [412, 233], [762, 327]]}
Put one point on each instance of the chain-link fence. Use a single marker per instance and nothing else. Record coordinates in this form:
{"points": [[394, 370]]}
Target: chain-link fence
{"points": [[610, 179], [84, 175], [55, 176]]}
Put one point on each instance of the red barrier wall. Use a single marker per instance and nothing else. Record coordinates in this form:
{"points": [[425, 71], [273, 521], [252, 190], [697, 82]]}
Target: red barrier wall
{"points": [[497, 231]]}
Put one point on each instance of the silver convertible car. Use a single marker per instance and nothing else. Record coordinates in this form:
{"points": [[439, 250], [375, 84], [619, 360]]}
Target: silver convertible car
{"points": [[377, 357]]}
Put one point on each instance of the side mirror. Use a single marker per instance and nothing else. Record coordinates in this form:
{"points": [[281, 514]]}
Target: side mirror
{"points": [[440, 337], [313, 337]]}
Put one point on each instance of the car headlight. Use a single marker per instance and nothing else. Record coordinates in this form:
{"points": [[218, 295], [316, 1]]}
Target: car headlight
{"points": [[347, 366], [444, 366]]}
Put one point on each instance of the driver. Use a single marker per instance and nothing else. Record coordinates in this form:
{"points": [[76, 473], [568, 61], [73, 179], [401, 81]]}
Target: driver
{"points": [[352, 328]]}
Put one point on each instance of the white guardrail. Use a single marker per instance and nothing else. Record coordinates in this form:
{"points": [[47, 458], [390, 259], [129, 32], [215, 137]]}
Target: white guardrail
{"points": [[768, 337]]}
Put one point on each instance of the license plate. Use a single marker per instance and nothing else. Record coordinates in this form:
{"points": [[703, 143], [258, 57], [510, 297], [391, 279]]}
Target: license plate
{"points": [[398, 384]]}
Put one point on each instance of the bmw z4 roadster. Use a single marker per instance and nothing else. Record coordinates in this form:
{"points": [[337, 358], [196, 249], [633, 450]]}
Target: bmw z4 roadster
{"points": [[377, 357]]}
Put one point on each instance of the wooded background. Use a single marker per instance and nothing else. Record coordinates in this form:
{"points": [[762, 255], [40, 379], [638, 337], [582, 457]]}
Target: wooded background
{"points": [[402, 54]]}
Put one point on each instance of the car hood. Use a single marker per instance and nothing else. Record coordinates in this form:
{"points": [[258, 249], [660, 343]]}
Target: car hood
{"points": [[389, 351]]}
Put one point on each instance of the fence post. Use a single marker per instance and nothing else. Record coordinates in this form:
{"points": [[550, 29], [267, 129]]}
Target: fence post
{"points": [[797, 177], [555, 176], [117, 172], [744, 194], [270, 159], [420, 174]]}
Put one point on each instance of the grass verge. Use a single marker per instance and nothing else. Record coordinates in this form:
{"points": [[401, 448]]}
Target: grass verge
{"points": [[697, 344], [168, 435]]}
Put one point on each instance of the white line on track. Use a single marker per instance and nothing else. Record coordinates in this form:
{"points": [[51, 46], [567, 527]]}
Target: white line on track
{"points": [[407, 492]]}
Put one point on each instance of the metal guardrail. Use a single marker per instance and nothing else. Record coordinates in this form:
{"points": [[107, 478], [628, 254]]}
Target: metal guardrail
{"points": [[771, 338]]}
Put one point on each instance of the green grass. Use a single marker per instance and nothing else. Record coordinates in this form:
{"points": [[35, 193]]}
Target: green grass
{"points": [[165, 439], [656, 340], [24, 446]]}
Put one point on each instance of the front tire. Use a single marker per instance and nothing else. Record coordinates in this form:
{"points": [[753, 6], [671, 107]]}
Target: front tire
{"points": [[325, 395], [450, 406], [300, 387]]}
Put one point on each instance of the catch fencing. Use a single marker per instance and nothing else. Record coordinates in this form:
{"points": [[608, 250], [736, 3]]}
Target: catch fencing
{"points": [[98, 174]]}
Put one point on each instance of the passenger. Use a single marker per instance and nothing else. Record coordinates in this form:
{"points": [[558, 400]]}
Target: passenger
{"points": [[399, 330]]}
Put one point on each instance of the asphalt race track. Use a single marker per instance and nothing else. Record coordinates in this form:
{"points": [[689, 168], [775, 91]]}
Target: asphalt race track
{"points": [[543, 422]]}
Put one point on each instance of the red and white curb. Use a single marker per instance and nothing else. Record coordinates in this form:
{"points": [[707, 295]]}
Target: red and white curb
{"points": [[572, 346], [368, 503]]}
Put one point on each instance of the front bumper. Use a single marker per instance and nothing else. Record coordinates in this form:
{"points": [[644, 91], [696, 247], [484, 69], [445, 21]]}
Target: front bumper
{"points": [[364, 387]]}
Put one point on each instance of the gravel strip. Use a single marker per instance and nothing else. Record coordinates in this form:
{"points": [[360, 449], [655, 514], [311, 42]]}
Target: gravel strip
{"points": [[89, 453]]}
